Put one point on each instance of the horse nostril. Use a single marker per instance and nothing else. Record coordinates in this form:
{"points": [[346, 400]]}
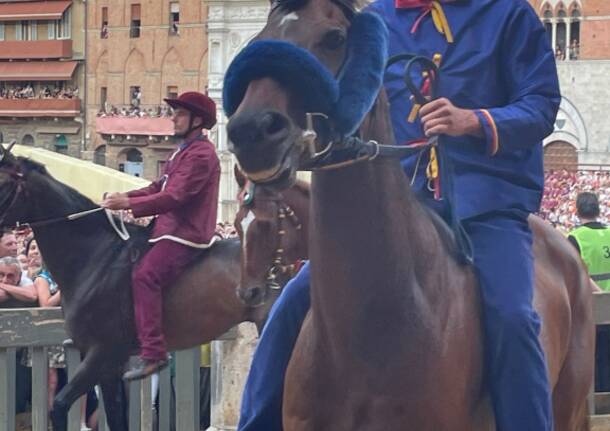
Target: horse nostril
{"points": [[247, 131], [250, 295]]}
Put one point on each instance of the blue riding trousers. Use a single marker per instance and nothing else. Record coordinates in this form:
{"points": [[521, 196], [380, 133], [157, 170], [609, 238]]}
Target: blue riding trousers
{"points": [[515, 363]]}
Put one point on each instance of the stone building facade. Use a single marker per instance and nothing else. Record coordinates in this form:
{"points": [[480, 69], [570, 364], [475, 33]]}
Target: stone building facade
{"points": [[580, 32], [42, 74], [138, 54]]}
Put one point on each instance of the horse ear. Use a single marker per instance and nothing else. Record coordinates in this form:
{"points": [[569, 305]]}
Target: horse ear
{"points": [[239, 176], [5, 153], [11, 145]]}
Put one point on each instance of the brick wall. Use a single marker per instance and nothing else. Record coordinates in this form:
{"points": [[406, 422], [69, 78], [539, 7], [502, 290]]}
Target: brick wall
{"points": [[154, 61]]}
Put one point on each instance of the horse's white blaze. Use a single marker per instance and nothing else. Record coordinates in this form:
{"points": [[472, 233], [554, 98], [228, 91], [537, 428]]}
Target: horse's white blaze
{"points": [[292, 16], [245, 224]]}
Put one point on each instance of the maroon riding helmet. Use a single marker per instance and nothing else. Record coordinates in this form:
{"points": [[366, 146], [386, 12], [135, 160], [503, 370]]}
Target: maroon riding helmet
{"points": [[198, 104]]}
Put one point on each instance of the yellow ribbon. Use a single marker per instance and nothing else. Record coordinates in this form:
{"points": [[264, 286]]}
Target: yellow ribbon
{"points": [[432, 168], [440, 21]]}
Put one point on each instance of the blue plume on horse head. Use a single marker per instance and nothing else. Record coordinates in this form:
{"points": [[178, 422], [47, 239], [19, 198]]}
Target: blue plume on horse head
{"points": [[296, 69], [362, 74], [346, 100]]}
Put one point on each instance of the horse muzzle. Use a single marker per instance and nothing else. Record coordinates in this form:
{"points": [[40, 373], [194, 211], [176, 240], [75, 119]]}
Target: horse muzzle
{"points": [[264, 144], [252, 296]]}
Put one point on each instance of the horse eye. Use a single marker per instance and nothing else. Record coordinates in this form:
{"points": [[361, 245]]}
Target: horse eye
{"points": [[334, 39]]}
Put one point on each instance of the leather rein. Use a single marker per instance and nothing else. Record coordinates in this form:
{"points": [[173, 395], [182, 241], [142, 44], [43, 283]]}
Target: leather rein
{"points": [[341, 152], [120, 229]]}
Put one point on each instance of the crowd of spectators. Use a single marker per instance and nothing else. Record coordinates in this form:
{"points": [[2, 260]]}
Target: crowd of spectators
{"points": [[135, 111], [561, 188], [43, 92]]}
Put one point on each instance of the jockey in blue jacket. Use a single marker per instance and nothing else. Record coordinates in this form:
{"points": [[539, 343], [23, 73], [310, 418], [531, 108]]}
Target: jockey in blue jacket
{"points": [[498, 97]]}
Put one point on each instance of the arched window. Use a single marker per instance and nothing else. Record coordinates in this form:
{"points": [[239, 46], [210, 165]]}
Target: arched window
{"points": [[547, 16], [28, 140], [133, 162], [575, 17], [561, 42], [99, 156], [548, 13], [134, 155]]}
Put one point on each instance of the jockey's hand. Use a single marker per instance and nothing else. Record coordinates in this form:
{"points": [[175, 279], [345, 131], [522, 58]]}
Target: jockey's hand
{"points": [[440, 116], [116, 201]]}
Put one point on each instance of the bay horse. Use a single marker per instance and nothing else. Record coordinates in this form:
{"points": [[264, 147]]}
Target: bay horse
{"points": [[92, 265], [393, 339], [273, 229]]}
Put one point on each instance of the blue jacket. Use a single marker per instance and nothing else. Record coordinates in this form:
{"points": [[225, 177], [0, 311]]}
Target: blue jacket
{"points": [[501, 64]]}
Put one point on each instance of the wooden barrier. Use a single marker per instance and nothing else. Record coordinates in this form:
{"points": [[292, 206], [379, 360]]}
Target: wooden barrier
{"points": [[40, 328], [231, 355]]}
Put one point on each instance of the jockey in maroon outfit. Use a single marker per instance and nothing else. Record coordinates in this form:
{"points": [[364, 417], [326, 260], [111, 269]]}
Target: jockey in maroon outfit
{"points": [[185, 201]]}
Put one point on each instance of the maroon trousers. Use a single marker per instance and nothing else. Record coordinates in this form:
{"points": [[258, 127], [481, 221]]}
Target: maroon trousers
{"points": [[157, 270]]}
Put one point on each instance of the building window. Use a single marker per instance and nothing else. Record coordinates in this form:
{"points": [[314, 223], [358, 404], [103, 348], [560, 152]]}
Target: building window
{"points": [[134, 29], [104, 26], [61, 144], [174, 18], [161, 167], [61, 28], [99, 155], [51, 30], [172, 92], [103, 97], [1, 31], [26, 30], [575, 34], [28, 140], [135, 94]]}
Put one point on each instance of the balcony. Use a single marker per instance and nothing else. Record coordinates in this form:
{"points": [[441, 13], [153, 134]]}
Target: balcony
{"points": [[35, 49], [156, 126], [40, 107]]}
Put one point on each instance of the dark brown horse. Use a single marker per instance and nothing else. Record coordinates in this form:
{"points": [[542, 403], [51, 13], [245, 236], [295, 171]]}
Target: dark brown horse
{"points": [[93, 267], [393, 340]]}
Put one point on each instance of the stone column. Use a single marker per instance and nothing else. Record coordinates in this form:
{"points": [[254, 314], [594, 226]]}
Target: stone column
{"points": [[568, 39], [231, 360]]}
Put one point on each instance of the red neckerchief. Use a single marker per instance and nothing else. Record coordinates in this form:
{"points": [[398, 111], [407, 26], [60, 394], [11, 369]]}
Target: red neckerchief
{"points": [[426, 5]]}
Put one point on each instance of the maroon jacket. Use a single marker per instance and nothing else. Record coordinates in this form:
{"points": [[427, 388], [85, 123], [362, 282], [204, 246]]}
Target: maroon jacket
{"points": [[185, 198]]}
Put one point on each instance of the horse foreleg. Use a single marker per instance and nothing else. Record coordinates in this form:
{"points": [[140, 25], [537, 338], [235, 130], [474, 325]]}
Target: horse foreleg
{"points": [[115, 403], [84, 379]]}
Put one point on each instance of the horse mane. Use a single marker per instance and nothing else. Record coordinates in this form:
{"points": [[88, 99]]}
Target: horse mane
{"points": [[73, 196], [294, 5]]}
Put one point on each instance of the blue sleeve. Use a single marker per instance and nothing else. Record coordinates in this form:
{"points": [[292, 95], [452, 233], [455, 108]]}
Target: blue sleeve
{"points": [[530, 79]]}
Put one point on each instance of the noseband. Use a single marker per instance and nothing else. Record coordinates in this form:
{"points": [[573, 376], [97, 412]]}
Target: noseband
{"points": [[278, 265]]}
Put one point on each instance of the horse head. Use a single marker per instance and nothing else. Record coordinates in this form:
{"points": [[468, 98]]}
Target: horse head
{"points": [[272, 239], [12, 183], [305, 82]]}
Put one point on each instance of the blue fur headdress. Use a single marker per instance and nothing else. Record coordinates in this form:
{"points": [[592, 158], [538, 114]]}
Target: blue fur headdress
{"points": [[346, 99]]}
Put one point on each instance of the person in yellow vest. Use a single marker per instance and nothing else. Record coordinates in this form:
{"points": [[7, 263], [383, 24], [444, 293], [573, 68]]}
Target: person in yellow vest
{"points": [[592, 239]]}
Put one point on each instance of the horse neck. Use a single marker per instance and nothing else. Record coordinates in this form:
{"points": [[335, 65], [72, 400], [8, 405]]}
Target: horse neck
{"points": [[65, 245], [368, 235]]}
